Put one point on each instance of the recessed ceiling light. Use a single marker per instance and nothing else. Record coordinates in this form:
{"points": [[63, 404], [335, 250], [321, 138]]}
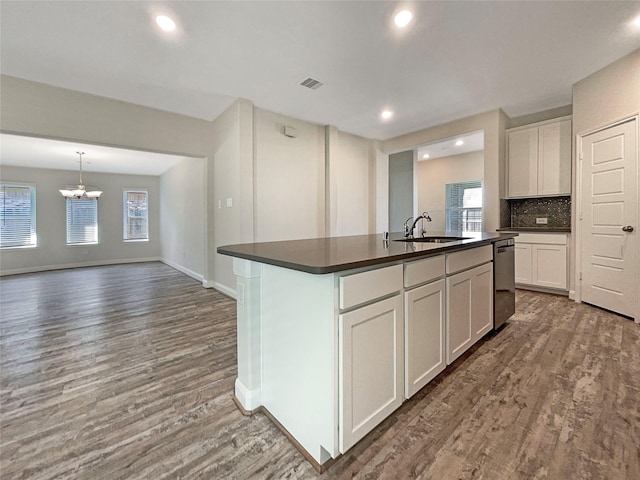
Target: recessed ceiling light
{"points": [[402, 18], [386, 114], [636, 21], [165, 23], [426, 155], [459, 142]]}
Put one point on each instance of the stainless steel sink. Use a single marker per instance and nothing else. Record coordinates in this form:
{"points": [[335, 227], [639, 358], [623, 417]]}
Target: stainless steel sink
{"points": [[432, 239]]}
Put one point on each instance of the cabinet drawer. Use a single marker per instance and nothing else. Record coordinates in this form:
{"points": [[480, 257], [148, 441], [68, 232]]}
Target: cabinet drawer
{"points": [[422, 271], [458, 261], [364, 287], [542, 238]]}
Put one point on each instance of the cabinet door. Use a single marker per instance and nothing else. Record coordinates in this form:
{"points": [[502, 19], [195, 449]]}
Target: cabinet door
{"points": [[481, 301], [523, 162], [458, 315], [554, 159], [371, 367], [424, 335], [550, 266], [523, 268], [469, 309]]}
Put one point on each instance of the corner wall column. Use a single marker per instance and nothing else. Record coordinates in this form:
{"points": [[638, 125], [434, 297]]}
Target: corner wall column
{"points": [[248, 386]]}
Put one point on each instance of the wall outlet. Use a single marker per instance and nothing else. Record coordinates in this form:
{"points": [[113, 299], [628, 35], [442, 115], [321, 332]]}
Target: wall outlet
{"points": [[541, 220], [229, 202]]}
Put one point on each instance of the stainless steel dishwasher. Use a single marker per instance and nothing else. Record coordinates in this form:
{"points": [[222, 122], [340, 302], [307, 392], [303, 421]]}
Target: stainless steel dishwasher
{"points": [[504, 283]]}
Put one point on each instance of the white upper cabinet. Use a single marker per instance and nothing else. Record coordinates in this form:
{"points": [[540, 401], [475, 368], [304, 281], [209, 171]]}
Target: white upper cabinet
{"points": [[539, 159], [523, 162], [554, 158]]}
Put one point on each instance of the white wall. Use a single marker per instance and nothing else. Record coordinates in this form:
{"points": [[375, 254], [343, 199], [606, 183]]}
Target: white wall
{"points": [[228, 144], [32, 108], [182, 217], [381, 186], [52, 251], [229, 176], [434, 174], [493, 124], [351, 183], [289, 178], [401, 189], [609, 95]]}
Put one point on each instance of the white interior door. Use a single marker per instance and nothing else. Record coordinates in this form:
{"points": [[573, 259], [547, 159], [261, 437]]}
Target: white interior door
{"points": [[609, 230]]}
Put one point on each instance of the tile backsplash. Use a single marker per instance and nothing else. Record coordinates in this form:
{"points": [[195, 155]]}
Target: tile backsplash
{"points": [[525, 211]]}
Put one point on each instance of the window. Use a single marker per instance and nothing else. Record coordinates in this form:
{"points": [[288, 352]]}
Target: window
{"points": [[82, 221], [464, 206], [135, 216], [17, 215]]}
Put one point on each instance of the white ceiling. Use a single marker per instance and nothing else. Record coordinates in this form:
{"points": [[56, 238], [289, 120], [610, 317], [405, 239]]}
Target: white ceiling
{"points": [[44, 153], [455, 59], [471, 142]]}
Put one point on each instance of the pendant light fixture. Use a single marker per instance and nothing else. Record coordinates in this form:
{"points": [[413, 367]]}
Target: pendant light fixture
{"points": [[80, 191]]}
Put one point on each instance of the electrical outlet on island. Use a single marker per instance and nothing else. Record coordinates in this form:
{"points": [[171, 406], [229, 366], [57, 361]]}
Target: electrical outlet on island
{"points": [[541, 220]]}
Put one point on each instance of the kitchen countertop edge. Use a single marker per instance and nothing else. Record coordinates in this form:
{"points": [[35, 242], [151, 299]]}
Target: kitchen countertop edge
{"points": [[535, 229], [261, 252]]}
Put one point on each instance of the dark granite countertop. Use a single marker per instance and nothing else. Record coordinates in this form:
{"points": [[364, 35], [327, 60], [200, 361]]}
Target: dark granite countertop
{"points": [[335, 254], [536, 229]]}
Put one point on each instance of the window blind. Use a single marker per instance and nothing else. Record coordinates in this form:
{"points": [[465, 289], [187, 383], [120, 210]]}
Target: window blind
{"points": [[82, 221], [464, 206], [17, 215], [135, 215]]}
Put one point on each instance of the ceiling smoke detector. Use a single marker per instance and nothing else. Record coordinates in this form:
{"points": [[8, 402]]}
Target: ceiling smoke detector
{"points": [[311, 83]]}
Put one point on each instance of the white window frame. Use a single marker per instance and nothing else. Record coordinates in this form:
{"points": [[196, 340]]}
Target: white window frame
{"points": [[126, 234], [73, 238], [33, 237], [464, 211]]}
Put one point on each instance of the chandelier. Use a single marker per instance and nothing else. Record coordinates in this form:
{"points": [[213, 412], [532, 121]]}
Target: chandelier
{"points": [[80, 191]]}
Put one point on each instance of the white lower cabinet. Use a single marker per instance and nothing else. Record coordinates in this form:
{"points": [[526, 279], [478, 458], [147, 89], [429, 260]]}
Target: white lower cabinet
{"points": [[371, 367], [523, 270], [541, 260], [550, 266], [469, 308], [328, 360], [424, 335]]}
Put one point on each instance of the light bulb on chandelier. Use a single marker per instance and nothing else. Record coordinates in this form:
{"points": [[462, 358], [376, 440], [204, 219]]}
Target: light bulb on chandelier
{"points": [[80, 190]]}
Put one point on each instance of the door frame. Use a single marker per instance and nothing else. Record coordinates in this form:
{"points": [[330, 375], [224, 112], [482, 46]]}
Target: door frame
{"points": [[579, 203]]}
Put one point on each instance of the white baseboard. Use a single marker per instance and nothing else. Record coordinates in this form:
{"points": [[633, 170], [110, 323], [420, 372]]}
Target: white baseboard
{"points": [[185, 270], [249, 399], [64, 266], [536, 288], [221, 288]]}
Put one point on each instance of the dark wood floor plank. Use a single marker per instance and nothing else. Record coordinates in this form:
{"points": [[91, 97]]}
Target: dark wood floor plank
{"points": [[127, 372]]}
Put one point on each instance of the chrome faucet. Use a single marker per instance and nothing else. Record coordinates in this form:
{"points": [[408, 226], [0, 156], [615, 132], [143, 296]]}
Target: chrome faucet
{"points": [[408, 232]]}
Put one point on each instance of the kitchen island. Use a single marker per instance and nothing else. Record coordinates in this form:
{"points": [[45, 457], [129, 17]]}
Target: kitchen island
{"points": [[335, 333]]}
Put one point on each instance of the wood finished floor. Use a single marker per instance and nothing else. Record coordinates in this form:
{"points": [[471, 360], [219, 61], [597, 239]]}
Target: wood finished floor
{"points": [[126, 372]]}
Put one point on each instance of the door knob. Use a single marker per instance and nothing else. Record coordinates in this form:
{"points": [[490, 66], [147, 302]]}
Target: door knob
{"points": [[628, 228]]}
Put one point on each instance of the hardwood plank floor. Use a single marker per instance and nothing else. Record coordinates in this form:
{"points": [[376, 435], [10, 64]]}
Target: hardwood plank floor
{"points": [[126, 372]]}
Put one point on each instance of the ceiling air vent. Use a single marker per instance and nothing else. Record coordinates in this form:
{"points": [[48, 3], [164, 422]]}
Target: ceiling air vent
{"points": [[311, 83]]}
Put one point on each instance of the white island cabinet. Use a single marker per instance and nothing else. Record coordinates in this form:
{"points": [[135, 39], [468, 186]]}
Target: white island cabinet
{"points": [[424, 301], [329, 351], [469, 299], [370, 351]]}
